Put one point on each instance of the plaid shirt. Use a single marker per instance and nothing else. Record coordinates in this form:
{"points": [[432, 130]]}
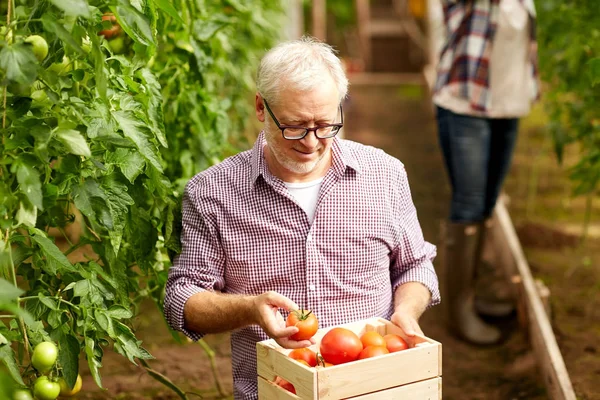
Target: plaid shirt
{"points": [[464, 59], [244, 233]]}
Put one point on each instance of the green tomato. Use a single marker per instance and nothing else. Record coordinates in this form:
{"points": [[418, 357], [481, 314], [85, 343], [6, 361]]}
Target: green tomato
{"points": [[22, 394], [63, 67], [45, 389], [39, 96], [44, 356], [66, 391], [117, 45], [40, 46]]}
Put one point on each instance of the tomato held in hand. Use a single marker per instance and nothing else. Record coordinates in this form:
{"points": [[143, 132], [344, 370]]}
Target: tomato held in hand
{"points": [[373, 351], [44, 356], [305, 354], [305, 321], [395, 343], [372, 338], [340, 345]]}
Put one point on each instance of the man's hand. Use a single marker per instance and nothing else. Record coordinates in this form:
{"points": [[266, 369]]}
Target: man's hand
{"points": [[269, 318], [410, 301]]}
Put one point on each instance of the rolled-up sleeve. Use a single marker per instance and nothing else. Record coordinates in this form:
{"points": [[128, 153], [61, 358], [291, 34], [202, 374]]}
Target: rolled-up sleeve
{"points": [[412, 258], [200, 265]]}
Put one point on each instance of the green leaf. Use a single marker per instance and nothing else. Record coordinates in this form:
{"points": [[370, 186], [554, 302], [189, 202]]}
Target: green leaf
{"points": [[8, 292], [206, 29], [168, 8], [135, 129], [130, 346], [47, 301], [99, 68], [68, 356], [29, 183], [52, 25], [19, 63], [81, 288], [154, 105], [76, 8], [131, 163], [27, 215], [595, 71], [8, 359], [119, 312], [74, 142], [134, 23], [55, 259], [93, 361]]}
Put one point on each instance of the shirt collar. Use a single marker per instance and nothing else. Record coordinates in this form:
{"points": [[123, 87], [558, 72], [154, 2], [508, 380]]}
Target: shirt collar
{"points": [[342, 158]]}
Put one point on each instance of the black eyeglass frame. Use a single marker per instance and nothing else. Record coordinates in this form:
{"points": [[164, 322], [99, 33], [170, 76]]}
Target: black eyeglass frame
{"points": [[306, 130]]}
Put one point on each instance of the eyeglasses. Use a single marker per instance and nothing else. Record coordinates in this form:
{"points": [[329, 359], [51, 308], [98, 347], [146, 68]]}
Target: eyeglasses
{"points": [[292, 132]]}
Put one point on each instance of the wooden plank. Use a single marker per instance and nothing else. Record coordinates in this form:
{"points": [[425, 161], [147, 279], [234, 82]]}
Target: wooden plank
{"points": [[550, 361], [319, 19], [387, 78], [429, 389]]}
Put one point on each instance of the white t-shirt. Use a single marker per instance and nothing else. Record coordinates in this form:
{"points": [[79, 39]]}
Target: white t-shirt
{"points": [[306, 194], [512, 85]]}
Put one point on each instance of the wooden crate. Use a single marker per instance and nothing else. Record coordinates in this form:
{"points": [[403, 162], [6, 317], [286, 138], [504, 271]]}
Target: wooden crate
{"points": [[413, 374]]}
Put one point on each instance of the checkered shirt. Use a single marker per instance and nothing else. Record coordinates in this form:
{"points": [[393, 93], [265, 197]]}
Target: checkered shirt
{"points": [[243, 233], [464, 58]]}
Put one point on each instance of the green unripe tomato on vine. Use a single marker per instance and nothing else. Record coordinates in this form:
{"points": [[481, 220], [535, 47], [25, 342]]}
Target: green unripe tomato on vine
{"points": [[22, 394], [44, 356], [61, 68], [117, 45], [45, 389], [40, 46], [66, 391]]}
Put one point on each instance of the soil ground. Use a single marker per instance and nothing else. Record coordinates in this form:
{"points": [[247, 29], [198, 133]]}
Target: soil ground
{"points": [[400, 120]]}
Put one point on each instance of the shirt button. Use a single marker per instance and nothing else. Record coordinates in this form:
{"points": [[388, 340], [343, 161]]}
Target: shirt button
{"points": [[312, 287]]}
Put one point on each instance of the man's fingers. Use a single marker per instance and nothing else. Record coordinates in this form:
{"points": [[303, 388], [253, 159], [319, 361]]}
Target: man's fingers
{"points": [[288, 343]]}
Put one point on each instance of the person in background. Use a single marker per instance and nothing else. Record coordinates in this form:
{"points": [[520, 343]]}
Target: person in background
{"points": [[302, 219], [486, 80]]}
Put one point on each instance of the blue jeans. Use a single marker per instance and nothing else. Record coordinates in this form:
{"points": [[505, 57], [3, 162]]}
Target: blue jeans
{"points": [[477, 152]]}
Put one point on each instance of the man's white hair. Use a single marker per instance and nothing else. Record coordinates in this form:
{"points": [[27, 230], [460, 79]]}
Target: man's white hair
{"points": [[303, 65]]}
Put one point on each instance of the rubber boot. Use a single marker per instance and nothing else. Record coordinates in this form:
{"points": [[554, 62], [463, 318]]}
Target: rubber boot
{"points": [[460, 264], [493, 294]]}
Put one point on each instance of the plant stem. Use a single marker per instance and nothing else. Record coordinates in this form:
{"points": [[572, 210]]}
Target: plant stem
{"points": [[211, 357]]}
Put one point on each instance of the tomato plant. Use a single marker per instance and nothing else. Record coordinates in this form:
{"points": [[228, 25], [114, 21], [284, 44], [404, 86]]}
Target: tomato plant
{"points": [[305, 321], [304, 354], [44, 356], [569, 63], [89, 193], [373, 351], [40, 46], [340, 345], [372, 338], [395, 343], [45, 389]]}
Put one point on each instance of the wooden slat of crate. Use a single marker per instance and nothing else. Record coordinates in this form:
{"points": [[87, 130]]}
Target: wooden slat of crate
{"points": [[430, 389], [416, 364]]}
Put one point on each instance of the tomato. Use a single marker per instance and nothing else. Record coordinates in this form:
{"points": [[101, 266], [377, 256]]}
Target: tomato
{"points": [[66, 391], [306, 321], [40, 46], [117, 45], [112, 32], [304, 354], [395, 343], [340, 345], [285, 384], [62, 67], [373, 351], [372, 338], [22, 394], [44, 356], [45, 389]]}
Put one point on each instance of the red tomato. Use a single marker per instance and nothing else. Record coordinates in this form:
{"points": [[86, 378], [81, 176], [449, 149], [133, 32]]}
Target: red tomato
{"points": [[373, 351], [372, 338], [306, 321], [395, 343], [340, 345], [115, 30], [285, 384], [304, 354]]}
